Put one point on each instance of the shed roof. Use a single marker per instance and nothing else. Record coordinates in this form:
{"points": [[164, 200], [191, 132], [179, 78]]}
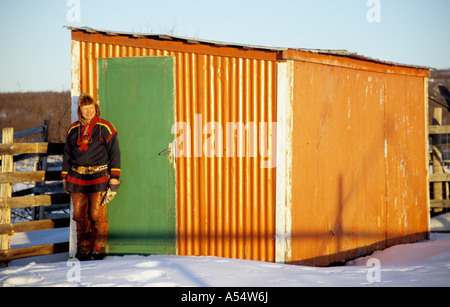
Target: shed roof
{"points": [[189, 40]]}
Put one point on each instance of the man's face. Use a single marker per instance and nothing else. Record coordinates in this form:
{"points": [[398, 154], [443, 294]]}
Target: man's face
{"points": [[88, 112]]}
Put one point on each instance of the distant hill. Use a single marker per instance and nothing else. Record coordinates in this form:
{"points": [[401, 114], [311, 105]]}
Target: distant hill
{"points": [[30, 109]]}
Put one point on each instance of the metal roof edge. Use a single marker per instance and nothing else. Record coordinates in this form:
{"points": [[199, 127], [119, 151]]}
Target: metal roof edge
{"points": [[190, 40], [356, 56]]}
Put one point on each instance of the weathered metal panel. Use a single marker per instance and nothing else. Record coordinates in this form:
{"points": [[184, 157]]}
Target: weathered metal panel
{"points": [[406, 173], [361, 172], [226, 202]]}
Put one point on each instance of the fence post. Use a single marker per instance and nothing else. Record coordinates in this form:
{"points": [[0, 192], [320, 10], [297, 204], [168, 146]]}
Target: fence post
{"points": [[6, 188], [39, 213], [437, 156]]}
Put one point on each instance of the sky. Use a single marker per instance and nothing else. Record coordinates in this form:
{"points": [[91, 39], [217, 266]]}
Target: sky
{"points": [[35, 46]]}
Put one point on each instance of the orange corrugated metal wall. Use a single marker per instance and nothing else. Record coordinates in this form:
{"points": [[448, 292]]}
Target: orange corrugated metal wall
{"points": [[225, 205], [362, 170]]}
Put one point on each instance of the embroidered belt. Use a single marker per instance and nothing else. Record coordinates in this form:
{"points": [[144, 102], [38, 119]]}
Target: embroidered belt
{"points": [[89, 170]]}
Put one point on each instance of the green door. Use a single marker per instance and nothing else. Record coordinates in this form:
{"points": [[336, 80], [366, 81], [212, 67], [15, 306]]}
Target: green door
{"points": [[137, 96]]}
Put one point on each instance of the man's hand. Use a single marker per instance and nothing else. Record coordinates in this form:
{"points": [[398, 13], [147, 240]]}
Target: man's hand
{"points": [[64, 186], [111, 191], [114, 181]]}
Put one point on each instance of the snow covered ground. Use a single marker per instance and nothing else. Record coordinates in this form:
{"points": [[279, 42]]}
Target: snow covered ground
{"points": [[420, 264]]}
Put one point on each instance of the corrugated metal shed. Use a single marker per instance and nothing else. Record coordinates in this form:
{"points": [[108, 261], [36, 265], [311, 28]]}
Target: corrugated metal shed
{"points": [[350, 152]]}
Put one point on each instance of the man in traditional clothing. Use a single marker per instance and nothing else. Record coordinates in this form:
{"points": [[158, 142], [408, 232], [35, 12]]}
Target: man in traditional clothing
{"points": [[91, 173]]}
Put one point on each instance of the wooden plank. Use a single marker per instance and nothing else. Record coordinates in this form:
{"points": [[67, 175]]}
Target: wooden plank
{"points": [[51, 187], [17, 177], [34, 201], [28, 148], [10, 228], [435, 129], [6, 187], [440, 203], [27, 132], [438, 186], [32, 251], [439, 177]]}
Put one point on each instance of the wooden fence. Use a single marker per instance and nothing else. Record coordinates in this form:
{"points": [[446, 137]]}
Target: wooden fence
{"points": [[440, 161], [8, 151]]}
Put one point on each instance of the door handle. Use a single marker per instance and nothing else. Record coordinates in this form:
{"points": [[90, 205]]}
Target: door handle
{"points": [[168, 150], [165, 151]]}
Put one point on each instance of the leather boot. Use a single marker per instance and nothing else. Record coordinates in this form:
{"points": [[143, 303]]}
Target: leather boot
{"points": [[83, 253]]}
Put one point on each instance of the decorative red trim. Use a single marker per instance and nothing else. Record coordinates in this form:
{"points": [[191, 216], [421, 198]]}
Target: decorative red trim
{"points": [[87, 182], [117, 173]]}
